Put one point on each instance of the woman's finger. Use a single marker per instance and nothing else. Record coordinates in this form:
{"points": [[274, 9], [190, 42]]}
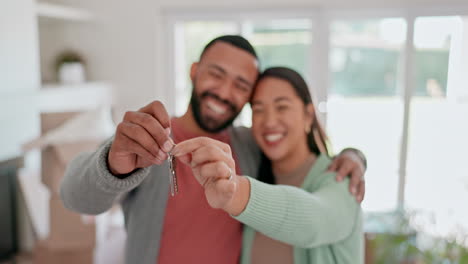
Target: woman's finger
{"points": [[193, 144], [211, 153], [216, 170]]}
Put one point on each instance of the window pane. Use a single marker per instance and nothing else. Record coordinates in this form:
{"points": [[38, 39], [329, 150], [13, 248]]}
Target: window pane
{"points": [[364, 107], [190, 39], [279, 42], [283, 42], [437, 169], [365, 56]]}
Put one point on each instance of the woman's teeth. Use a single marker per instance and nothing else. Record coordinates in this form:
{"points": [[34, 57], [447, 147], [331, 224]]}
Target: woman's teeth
{"points": [[273, 137], [216, 108]]}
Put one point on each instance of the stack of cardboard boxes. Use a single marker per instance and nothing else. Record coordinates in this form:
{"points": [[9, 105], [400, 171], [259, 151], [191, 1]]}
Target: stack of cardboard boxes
{"points": [[71, 236]]}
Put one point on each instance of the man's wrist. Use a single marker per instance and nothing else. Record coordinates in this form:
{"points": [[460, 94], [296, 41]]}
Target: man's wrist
{"points": [[117, 174], [358, 153]]}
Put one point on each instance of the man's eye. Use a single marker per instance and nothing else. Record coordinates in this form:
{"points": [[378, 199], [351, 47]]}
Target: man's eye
{"points": [[216, 75], [242, 87]]}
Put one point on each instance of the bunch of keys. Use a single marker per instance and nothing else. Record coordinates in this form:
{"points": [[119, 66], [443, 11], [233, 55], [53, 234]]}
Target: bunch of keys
{"points": [[172, 175]]}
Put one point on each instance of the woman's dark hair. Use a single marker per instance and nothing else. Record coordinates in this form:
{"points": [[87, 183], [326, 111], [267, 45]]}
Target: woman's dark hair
{"points": [[316, 139]]}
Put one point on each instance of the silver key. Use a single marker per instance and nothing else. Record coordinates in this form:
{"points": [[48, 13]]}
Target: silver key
{"points": [[172, 176]]}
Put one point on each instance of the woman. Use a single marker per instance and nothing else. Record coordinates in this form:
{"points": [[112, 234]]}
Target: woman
{"points": [[314, 219]]}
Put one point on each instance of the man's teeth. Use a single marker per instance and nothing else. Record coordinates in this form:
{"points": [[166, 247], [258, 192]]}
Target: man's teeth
{"points": [[273, 137], [216, 108]]}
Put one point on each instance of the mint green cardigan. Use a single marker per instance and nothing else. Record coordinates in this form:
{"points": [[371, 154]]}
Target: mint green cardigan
{"points": [[322, 220]]}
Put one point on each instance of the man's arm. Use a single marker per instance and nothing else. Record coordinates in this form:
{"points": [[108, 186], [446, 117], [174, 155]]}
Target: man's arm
{"points": [[89, 187], [93, 181]]}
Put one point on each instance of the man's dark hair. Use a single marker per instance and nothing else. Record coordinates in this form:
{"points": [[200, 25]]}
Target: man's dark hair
{"points": [[235, 40]]}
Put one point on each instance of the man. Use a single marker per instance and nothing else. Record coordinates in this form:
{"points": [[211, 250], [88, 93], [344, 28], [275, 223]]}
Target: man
{"points": [[131, 166]]}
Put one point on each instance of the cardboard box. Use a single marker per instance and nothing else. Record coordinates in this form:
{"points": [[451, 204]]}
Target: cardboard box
{"points": [[55, 159], [68, 229], [44, 254], [51, 121]]}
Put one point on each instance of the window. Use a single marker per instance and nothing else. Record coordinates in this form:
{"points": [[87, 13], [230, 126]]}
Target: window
{"points": [[364, 82], [437, 168], [365, 108]]}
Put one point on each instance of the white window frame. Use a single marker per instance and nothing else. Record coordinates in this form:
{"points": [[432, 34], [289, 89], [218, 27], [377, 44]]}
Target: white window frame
{"points": [[320, 49]]}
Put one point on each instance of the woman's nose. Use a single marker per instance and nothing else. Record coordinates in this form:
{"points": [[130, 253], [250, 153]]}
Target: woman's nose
{"points": [[270, 119]]}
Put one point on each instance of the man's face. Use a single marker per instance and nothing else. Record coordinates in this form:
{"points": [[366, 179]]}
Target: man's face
{"points": [[222, 82]]}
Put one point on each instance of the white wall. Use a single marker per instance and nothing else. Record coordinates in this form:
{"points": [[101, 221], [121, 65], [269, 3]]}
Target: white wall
{"points": [[19, 75], [306, 3], [126, 45], [120, 46]]}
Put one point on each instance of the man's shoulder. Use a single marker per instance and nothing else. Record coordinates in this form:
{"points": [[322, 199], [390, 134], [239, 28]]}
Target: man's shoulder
{"points": [[241, 129], [241, 135]]}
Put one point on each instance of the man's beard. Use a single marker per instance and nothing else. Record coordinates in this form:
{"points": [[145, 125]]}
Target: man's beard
{"points": [[207, 123]]}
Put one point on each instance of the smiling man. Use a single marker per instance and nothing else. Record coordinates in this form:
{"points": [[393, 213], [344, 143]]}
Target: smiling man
{"points": [[131, 167]]}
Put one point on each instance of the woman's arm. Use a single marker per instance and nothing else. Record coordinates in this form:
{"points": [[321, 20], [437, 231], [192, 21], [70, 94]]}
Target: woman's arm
{"points": [[286, 213], [294, 216]]}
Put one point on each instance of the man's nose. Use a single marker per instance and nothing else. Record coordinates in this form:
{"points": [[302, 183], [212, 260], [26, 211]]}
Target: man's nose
{"points": [[225, 90]]}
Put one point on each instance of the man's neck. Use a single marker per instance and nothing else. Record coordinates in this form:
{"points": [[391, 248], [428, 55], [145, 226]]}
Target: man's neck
{"points": [[189, 123]]}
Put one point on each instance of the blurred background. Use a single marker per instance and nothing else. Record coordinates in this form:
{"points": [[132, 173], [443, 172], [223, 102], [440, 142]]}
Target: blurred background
{"points": [[388, 77]]}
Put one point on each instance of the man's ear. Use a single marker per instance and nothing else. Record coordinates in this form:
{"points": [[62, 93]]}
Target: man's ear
{"points": [[193, 70]]}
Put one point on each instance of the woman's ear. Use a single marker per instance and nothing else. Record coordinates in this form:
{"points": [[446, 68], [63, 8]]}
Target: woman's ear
{"points": [[310, 114], [193, 70]]}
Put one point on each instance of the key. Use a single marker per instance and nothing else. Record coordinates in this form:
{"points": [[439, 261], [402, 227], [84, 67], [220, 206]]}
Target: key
{"points": [[172, 175]]}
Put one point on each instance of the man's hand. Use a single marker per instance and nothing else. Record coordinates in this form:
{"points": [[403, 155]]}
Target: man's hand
{"points": [[349, 163], [141, 139], [214, 168]]}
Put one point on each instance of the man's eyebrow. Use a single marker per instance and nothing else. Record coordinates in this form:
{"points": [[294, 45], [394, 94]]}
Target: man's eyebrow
{"points": [[244, 81], [238, 78], [219, 68]]}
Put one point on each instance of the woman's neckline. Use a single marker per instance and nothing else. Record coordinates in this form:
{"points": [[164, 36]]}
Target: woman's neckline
{"points": [[297, 175]]}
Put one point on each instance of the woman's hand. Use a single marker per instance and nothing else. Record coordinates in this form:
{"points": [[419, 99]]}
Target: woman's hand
{"points": [[214, 168]]}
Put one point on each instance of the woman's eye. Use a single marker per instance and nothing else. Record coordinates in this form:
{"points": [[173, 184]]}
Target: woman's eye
{"points": [[282, 107], [256, 110]]}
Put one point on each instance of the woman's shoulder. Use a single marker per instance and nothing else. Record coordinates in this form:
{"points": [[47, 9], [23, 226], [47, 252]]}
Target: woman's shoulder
{"points": [[319, 175]]}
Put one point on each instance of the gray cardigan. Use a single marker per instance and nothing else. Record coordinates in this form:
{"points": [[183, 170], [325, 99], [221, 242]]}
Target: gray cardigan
{"points": [[89, 188]]}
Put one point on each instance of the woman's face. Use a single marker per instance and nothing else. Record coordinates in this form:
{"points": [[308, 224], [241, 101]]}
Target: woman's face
{"points": [[279, 118]]}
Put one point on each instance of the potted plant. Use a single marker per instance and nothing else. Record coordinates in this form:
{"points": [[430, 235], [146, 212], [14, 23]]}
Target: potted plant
{"points": [[70, 68]]}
